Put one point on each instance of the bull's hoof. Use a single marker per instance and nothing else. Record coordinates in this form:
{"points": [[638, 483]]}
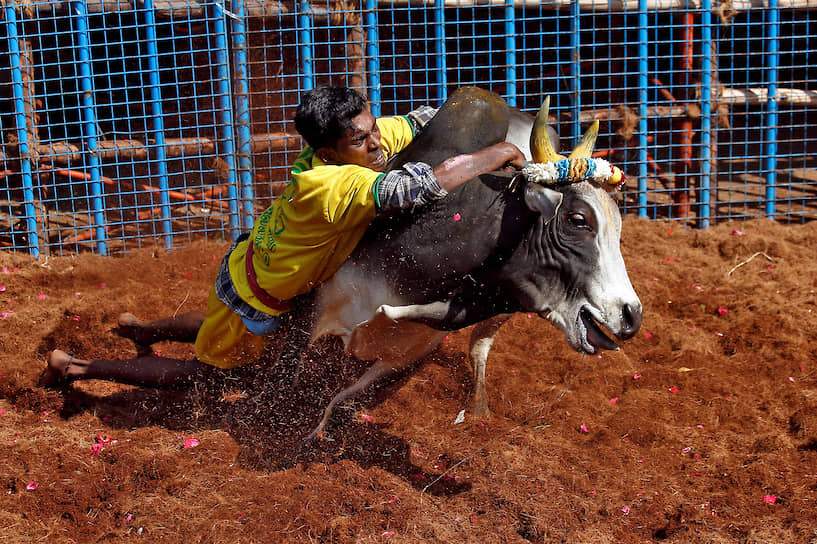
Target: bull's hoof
{"points": [[316, 436], [479, 407]]}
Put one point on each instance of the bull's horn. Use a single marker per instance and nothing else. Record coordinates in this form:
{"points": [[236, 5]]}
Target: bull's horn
{"points": [[540, 147], [584, 149]]}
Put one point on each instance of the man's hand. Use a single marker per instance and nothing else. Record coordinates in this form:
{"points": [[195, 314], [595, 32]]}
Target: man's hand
{"points": [[457, 170]]}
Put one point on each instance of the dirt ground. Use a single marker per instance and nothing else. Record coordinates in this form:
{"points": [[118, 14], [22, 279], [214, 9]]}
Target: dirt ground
{"points": [[702, 428]]}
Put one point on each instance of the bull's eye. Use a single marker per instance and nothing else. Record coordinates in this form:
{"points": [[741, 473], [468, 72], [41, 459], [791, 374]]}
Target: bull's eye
{"points": [[578, 221]]}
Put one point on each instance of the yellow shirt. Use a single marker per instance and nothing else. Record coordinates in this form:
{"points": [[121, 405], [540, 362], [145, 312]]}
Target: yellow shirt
{"points": [[307, 233]]}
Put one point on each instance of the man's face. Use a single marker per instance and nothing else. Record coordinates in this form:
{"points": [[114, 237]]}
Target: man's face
{"points": [[360, 145]]}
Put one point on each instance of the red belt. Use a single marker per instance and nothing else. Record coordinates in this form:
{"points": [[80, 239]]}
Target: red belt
{"points": [[265, 298]]}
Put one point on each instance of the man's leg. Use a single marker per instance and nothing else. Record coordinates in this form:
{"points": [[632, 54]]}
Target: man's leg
{"points": [[147, 371], [182, 328]]}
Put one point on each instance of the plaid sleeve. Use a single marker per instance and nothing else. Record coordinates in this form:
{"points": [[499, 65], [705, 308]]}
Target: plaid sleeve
{"points": [[412, 185], [419, 117]]}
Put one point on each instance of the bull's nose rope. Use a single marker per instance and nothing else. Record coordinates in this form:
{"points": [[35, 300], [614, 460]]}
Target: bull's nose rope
{"points": [[567, 171]]}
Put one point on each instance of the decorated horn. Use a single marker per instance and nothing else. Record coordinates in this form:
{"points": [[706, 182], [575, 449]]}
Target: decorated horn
{"points": [[550, 168], [584, 149], [540, 147]]}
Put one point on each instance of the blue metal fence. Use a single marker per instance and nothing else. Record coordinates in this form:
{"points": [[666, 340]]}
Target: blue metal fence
{"points": [[142, 123]]}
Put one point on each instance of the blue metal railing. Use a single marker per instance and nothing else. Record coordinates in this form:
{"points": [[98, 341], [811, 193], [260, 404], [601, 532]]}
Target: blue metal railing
{"points": [[90, 134], [24, 146], [161, 124], [704, 197], [772, 58], [158, 132]]}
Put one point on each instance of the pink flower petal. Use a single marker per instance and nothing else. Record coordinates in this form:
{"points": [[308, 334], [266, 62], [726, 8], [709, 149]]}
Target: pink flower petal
{"points": [[647, 335], [737, 232], [31, 486], [769, 499], [636, 376], [457, 217], [722, 311], [41, 296], [584, 428], [387, 533], [626, 509], [191, 443], [2, 288], [673, 390], [613, 400]]}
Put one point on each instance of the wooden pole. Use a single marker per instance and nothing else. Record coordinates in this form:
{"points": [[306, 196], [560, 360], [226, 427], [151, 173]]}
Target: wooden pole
{"points": [[683, 132]]}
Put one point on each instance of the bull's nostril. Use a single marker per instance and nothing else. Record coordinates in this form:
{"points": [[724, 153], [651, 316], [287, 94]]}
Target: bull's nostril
{"points": [[631, 320]]}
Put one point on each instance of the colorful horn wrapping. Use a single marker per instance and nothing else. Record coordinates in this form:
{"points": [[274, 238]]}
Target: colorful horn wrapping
{"points": [[550, 168], [567, 171]]}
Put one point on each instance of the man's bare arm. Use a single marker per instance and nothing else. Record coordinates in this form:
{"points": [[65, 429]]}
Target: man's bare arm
{"points": [[457, 170]]}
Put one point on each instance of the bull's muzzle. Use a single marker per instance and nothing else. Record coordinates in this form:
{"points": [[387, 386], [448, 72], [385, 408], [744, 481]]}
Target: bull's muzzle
{"points": [[630, 320]]}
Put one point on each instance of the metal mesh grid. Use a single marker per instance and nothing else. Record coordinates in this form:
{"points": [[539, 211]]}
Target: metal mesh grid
{"points": [[127, 124]]}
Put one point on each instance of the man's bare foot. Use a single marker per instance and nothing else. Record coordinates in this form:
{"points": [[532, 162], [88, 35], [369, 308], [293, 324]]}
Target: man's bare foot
{"points": [[56, 373], [131, 327], [128, 327]]}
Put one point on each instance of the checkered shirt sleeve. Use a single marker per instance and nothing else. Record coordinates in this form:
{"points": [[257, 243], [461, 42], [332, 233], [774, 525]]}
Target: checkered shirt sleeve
{"points": [[420, 117], [411, 186]]}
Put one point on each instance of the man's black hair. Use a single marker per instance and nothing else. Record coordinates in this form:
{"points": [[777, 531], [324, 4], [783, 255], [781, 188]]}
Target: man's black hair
{"points": [[325, 114]]}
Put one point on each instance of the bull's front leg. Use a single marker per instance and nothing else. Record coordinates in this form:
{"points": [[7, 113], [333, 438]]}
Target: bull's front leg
{"points": [[449, 315], [378, 372], [482, 338], [394, 346]]}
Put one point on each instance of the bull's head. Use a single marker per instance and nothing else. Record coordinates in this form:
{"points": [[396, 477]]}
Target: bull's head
{"points": [[578, 244]]}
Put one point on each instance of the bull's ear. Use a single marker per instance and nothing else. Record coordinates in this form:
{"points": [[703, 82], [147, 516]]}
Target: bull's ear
{"points": [[543, 200]]}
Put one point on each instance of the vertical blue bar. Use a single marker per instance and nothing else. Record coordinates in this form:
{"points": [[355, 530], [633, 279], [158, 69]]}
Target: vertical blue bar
{"points": [[643, 67], [439, 50], [242, 114], [704, 197], [575, 68], [510, 52], [305, 47], [222, 67], [772, 58], [158, 132], [88, 108], [373, 56], [22, 130]]}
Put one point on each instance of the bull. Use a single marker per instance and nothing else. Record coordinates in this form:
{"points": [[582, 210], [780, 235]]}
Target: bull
{"points": [[498, 244]]}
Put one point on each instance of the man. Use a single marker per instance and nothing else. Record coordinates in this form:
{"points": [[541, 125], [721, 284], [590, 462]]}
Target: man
{"points": [[337, 187]]}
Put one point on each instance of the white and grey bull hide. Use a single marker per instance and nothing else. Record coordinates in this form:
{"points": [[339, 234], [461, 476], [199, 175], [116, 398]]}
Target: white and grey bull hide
{"points": [[494, 246]]}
